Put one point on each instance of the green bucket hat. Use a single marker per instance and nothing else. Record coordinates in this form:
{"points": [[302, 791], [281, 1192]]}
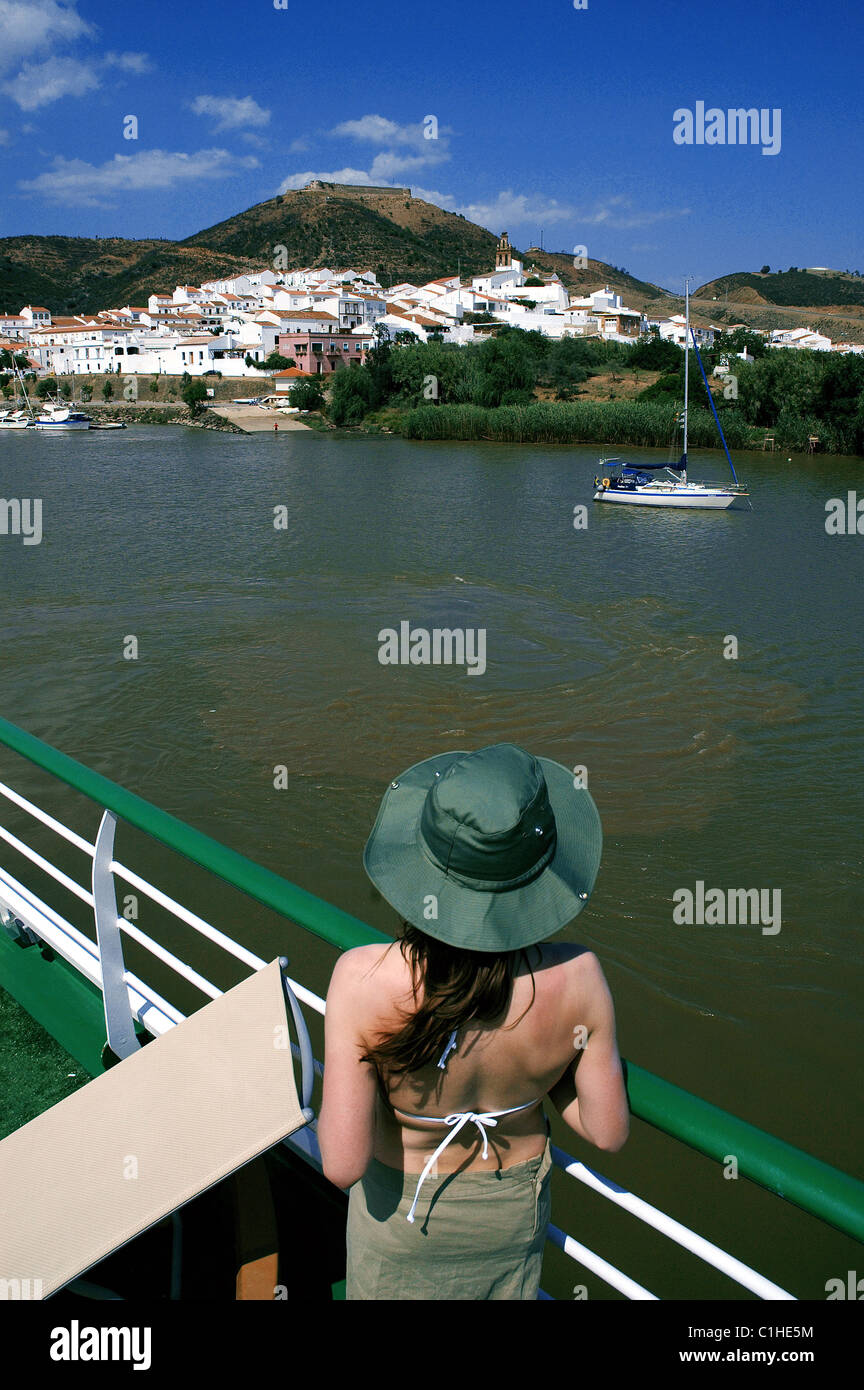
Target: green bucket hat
{"points": [[487, 851]]}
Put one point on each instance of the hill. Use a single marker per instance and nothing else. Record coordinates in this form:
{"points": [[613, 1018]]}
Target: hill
{"points": [[384, 230], [802, 289], [401, 237], [398, 237]]}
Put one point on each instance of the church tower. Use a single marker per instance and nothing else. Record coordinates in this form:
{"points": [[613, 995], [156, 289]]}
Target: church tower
{"points": [[503, 256]]}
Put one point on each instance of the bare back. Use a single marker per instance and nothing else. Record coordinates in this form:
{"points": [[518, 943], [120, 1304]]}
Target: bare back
{"points": [[516, 1059]]}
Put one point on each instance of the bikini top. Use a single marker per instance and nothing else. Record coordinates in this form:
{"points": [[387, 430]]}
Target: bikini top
{"points": [[457, 1121]]}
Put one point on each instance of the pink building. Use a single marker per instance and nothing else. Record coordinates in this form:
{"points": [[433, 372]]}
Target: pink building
{"points": [[321, 352]]}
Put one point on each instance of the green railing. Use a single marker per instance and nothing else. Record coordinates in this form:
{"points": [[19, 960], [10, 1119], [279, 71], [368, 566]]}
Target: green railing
{"points": [[816, 1187]]}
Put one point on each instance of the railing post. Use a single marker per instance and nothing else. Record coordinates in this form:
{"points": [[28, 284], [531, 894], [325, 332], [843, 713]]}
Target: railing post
{"points": [[118, 1013]]}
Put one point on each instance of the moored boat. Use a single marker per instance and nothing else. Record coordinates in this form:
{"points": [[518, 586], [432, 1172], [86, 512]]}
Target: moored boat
{"points": [[634, 485], [62, 417]]}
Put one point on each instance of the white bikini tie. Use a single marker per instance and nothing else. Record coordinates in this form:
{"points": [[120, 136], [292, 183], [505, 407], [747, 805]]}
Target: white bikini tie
{"points": [[457, 1122]]}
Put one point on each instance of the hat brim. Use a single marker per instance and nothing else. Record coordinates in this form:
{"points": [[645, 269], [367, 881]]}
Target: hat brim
{"points": [[443, 908]]}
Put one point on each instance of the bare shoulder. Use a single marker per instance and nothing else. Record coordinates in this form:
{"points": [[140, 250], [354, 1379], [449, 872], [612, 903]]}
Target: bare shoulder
{"points": [[359, 966], [576, 975], [570, 959]]}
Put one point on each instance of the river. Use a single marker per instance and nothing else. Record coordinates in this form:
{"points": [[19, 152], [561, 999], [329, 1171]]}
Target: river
{"points": [[257, 648]]}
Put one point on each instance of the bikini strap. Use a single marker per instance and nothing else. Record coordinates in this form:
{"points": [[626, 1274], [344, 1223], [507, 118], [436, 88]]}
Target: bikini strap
{"points": [[451, 1047], [455, 1122]]}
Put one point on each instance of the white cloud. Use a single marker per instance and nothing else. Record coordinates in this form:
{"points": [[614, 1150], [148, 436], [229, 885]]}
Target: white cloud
{"points": [[31, 26], [299, 146], [619, 212], [231, 113], [128, 62], [75, 181], [38, 84], [378, 130], [511, 209], [388, 165], [5, 137]]}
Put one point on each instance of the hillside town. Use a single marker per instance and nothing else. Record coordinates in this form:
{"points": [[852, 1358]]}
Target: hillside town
{"points": [[322, 319]]}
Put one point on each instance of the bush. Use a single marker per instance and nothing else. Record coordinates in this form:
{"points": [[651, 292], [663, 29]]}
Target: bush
{"points": [[352, 396], [48, 386], [274, 363], [193, 393], [107, 390], [306, 395], [656, 354]]}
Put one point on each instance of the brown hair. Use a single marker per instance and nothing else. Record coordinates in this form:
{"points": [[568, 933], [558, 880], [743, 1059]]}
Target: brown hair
{"points": [[458, 987]]}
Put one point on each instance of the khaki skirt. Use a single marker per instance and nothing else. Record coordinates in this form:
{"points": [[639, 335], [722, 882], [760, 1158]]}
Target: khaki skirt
{"points": [[476, 1235]]}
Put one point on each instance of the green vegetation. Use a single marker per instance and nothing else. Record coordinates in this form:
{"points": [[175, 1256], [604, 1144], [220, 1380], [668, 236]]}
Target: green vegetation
{"points": [[193, 392], [649, 424], [487, 390], [107, 391], [306, 395], [274, 363], [794, 287]]}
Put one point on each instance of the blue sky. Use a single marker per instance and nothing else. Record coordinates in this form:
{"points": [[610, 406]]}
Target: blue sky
{"points": [[548, 117]]}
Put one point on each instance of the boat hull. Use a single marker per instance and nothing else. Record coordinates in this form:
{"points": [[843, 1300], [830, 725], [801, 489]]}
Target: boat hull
{"points": [[704, 499], [58, 426]]}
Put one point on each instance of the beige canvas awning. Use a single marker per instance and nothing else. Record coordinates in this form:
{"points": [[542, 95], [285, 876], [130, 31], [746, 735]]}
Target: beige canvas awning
{"points": [[147, 1136]]}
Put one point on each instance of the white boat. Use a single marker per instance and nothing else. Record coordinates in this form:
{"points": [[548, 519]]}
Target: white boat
{"points": [[62, 417], [14, 420], [633, 484]]}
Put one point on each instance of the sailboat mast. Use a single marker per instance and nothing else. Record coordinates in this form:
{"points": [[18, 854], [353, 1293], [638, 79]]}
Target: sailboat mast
{"points": [[686, 366]]}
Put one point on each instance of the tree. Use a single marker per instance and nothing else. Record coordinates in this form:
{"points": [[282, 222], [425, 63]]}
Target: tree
{"points": [[66, 390], [86, 393], [275, 363], [46, 387], [306, 395], [107, 390], [352, 395], [154, 386], [193, 393], [766, 270]]}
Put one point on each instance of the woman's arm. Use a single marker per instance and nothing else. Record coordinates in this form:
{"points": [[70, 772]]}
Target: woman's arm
{"points": [[346, 1123], [591, 1097]]}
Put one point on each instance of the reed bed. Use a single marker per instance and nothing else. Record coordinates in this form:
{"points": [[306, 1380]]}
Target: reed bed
{"points": [[647, 424]]}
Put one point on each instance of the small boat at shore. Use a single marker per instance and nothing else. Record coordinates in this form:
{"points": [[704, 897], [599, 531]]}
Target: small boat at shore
{"points": [[109, 425], [62, 417], [15, 420], [634, 484]]}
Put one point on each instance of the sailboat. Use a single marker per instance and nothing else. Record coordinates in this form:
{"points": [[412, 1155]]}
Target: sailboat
{"points": [[634, 484], [18, 419]]}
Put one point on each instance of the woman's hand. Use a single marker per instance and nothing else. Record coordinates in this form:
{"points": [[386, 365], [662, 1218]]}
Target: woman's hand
{"points": [[346, 1123]]}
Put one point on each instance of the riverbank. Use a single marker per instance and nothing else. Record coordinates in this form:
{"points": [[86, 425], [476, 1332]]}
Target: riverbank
{"points": [[171, 413]]}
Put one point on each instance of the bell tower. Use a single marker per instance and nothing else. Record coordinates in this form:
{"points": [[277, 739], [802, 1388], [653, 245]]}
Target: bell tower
{"points": [[503, 255]]}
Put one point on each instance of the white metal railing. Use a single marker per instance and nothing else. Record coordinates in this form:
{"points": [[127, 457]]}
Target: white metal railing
{"points": [[126, 994]]}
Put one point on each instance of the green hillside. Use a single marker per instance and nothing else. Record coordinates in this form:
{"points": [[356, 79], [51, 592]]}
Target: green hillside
{"points": [[792, 288]]}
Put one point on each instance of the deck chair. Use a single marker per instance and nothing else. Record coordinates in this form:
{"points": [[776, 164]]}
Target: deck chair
{"points": [[138, 1142]]}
